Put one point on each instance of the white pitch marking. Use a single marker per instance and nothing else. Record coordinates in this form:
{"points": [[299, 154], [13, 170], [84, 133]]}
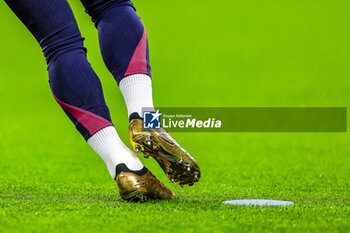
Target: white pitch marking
{"points": [[259, 202]]}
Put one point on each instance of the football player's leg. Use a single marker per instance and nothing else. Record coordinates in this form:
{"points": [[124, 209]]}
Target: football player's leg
{"points": [[74, 83], [124, 47]]}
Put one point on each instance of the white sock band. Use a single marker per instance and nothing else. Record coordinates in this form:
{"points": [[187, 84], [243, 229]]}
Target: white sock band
{"points": [[107, 144], [137, 92]]}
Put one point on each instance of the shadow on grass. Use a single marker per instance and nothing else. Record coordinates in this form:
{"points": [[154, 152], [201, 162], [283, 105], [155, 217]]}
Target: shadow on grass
{"points": [[61, 197]]}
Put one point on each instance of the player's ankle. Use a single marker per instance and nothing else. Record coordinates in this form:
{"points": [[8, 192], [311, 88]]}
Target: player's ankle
{"points": [[122, 167], [108, 145], [137, 93], [134, 116]]}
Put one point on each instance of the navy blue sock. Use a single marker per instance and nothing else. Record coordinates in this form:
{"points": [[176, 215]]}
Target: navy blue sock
{"points": [[122, 37], [73, 82]]}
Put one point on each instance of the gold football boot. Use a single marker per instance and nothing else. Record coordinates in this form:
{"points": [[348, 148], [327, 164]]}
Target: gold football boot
{"points": [[140, 185], [177, 163]]}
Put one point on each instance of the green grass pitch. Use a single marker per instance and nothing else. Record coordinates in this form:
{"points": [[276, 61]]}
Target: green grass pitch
{"points": [[206, 54]]}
